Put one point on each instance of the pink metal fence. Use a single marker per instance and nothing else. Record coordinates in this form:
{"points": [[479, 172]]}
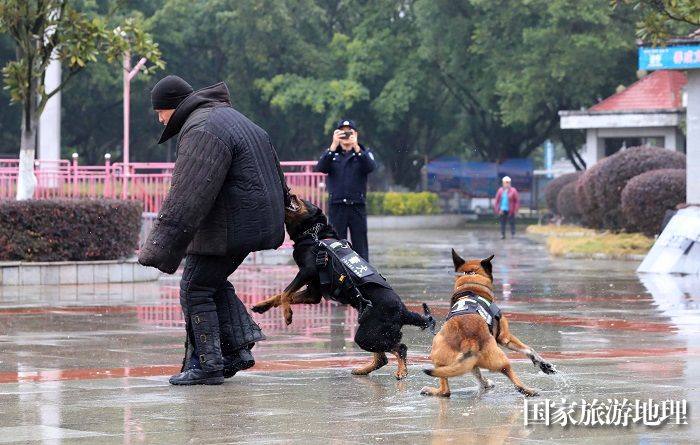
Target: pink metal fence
{"points": [[253, 284], [145, 182]]}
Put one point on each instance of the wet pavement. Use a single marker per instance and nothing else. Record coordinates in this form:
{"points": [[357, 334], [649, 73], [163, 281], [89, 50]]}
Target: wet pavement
{"points": [[89, 364]]}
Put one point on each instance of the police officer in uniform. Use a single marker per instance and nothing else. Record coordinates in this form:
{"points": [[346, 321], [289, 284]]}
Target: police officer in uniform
{"points": [[347, 163]]}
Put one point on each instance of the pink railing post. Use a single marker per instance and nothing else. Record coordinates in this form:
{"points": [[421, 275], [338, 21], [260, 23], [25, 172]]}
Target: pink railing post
{"points": [[37, 175], [75, 174], [108, 176], [129, 74], [146, 182]]}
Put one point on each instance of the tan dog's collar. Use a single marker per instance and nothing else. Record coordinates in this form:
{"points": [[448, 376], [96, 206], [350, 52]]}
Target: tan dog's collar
{"points": [[477, 287]]}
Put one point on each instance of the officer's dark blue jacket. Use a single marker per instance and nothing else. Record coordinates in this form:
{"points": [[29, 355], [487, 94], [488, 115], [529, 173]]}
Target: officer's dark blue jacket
{"points": [[347, 174]]}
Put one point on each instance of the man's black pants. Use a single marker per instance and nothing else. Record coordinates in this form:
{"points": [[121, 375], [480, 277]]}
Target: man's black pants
{"points": [[354, 217], [217, 322], [506, 218]]}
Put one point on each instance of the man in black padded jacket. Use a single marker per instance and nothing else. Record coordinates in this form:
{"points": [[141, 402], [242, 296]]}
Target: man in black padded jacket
{"points": [[226, 200]]}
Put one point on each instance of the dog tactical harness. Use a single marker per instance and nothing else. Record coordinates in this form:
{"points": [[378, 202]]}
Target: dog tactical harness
{"points": [[471, 303], [343, 272]]}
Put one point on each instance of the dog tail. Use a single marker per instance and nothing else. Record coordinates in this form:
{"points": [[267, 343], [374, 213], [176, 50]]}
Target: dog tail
{"points": [[459, 367], [422, 321]]}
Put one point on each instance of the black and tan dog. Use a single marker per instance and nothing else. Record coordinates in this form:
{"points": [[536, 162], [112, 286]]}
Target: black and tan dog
{"points": [[470, 337], [329, 268]]}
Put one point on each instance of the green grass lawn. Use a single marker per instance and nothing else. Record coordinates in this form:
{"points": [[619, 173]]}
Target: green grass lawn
{"points": [[563, 240]]}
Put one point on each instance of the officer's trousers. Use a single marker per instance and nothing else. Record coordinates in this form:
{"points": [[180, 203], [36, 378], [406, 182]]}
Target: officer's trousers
{"points": [[354, 217]]}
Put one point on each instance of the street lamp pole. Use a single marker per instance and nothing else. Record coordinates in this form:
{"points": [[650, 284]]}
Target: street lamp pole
{"points": [[129, 74]]}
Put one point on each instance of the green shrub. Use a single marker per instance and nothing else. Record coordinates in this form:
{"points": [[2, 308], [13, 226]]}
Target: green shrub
{"points": [[605, 181], [375, 203], [68, 230], [551, 190], [647, 197], [585, 201], [397, 203], [566, 203]]}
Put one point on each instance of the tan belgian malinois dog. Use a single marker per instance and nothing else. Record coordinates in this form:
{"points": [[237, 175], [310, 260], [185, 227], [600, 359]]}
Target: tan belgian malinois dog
{"points": [[470, 337]]}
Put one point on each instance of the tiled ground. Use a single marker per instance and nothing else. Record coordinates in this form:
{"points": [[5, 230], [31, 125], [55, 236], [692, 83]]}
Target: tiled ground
{"points": [[89, 364]]}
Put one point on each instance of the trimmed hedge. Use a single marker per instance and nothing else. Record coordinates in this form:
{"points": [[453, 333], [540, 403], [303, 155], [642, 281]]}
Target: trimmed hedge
{"points": [[599, 189], [551, 190], [68, 230], [647, 197], [585, 200], [398, 203], [566, 203]]}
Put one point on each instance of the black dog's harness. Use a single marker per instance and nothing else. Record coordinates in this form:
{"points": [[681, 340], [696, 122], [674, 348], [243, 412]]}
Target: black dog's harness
{"points": [[342, 273], [312, 231], [470, 303]]}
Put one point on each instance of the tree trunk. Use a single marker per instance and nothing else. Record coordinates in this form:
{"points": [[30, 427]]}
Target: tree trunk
{"points": [[26, 181]]}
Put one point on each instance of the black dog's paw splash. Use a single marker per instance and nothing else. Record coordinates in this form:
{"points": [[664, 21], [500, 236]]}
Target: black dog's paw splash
{"points": [[430, 320], [547, 368]]}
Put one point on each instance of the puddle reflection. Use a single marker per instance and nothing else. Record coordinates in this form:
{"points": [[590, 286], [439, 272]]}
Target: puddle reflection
{"points": [[677, 297], [253, 284]]}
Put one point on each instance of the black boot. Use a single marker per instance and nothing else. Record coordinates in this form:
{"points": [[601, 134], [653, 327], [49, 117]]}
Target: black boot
{"points": [[194, 376], [238, 361], [191, 372], [203, 363], [239, 332]]}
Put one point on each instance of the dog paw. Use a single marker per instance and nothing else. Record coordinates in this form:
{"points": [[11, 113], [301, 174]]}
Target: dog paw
{"points": [[288, 316], [359, 371], [428, 391], [260, 308], [488, 384], [400, 375], [528, 392], [547, 367], [430, 322]]}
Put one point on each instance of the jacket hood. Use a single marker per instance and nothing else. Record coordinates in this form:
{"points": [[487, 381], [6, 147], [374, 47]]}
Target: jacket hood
{"points": [[207, 96]]}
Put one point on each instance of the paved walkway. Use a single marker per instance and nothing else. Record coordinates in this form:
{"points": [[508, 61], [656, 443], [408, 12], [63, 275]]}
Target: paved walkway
{"points": [[89, 364]]}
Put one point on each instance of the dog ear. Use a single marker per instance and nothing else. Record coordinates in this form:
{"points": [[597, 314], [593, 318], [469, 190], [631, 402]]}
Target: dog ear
{"points": [[294, 203], [313, 209], [457, 260], [486, 264]]}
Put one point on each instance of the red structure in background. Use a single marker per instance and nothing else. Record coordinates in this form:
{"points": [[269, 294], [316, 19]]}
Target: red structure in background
{"points": [[145, 182], [660, 90], [149, 183], [254, 283]]}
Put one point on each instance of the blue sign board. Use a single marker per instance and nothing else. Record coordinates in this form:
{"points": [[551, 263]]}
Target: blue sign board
{"points": [[669, 58], [548, 157]]}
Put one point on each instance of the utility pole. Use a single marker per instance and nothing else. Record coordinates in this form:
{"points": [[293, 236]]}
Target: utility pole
{"points": [[129, 74]]}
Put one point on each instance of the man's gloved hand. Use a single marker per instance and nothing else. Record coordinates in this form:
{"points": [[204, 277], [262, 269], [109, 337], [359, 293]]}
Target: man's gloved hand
{"points": [[162, 259]]}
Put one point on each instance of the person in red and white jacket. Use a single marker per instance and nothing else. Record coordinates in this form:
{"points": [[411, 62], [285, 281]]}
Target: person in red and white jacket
{"points": [[506, 206]]}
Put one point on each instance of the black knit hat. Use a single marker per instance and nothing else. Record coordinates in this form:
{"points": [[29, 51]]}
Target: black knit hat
{"points": [[169, 92]]}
